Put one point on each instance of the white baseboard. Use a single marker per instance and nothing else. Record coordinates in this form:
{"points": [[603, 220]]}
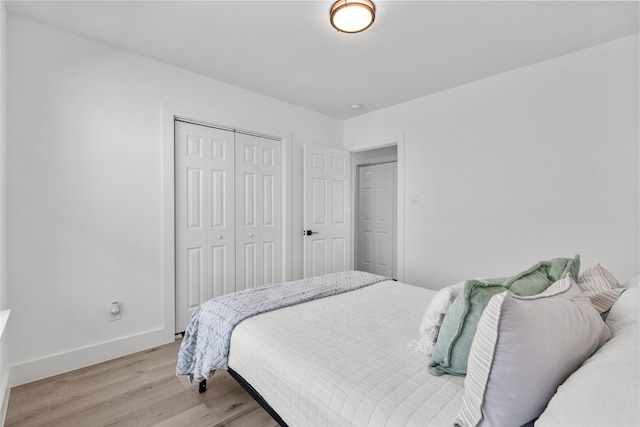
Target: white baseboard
{"points": [[34, 370], [4, 368], [5, 390]]}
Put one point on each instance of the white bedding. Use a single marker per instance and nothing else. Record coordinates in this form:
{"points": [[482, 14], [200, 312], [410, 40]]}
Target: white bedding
{"points": [[345, 360]]}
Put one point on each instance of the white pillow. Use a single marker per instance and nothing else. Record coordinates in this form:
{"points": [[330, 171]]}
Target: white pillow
{"points": [[600, 286], [604, 391], [433, 316], [524, 348], [625, 311], [632, 283]]}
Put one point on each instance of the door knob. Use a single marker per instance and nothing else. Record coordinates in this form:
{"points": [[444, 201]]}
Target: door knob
{"points": [[250, 234], [308, 232], [219, 236]]}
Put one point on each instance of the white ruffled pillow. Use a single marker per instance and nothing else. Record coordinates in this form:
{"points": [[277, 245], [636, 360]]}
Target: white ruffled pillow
{"points": [[432, 320], [601, 287]]}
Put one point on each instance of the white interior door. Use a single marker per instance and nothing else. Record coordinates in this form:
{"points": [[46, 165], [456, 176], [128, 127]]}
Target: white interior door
{"points": [[259, 211], [366, 218], [376, 219], [326, 210], [205, 218]]}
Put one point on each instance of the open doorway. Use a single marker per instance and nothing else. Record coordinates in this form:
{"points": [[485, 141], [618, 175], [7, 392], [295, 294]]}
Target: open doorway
{"points": [[375, 210]]}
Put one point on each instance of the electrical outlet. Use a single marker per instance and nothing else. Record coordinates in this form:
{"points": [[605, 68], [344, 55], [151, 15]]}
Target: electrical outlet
{"points": [[114, 311]]}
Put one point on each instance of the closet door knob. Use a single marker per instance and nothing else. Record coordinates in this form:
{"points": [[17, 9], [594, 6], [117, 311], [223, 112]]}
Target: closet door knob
{"points": [[219, 236], [250, 234]]}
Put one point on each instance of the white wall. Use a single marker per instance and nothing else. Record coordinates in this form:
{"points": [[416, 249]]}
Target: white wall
{"points": [[4, 365], [531, 164], [84, 198], [526, 165]]}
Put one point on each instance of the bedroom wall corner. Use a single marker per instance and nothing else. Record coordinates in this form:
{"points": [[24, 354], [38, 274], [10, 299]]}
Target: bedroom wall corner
{"points": [[86, 138], [4, 312]]}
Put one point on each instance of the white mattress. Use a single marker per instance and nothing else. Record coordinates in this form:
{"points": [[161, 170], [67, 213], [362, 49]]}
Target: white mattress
{"points": [[345, 360]]}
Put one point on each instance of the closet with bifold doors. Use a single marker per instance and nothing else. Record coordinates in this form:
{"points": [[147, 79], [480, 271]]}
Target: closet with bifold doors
{"points": [[228, 213]]}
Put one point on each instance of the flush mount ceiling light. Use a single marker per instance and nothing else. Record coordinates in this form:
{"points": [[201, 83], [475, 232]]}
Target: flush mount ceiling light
{"points": [[352, 16]]}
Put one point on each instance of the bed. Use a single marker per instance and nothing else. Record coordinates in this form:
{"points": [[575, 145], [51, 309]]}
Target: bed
{"points": [[347, 360]]}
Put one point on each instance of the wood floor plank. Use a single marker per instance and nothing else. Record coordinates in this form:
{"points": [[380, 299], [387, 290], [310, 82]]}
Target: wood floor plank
{"points": [[257, 417], [197, 416], [141, 389]]}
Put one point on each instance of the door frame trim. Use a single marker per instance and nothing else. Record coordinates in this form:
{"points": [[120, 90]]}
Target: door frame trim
{"points": [[169, 113], [372, 144]]}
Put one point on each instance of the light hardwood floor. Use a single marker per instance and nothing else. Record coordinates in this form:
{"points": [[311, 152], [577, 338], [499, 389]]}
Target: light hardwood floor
{"points": [[141, 389]]}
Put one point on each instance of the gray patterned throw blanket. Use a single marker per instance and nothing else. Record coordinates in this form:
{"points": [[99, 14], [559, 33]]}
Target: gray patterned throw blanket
{"points": [[205, 346]]}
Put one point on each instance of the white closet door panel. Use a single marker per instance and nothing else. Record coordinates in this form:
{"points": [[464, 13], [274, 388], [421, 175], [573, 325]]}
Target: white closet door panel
{"points": [[196, 276], [221, 211], [268, 190], [260, 202], [218, 199], [248, 207], [222, 275], [271, 211], [383, 245], [365, 253], [269, 267], [221, 208], [195, 200], [249, 201], [250, 266], [205, 226], [366, 218], [384, 208], [228, 199]]}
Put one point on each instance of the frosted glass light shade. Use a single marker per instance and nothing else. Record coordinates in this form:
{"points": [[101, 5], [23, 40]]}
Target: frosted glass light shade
{"points": [[352, 16]]}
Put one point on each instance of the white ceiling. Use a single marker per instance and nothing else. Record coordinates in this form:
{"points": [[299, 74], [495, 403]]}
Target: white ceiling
{"points": [[289, 51]]}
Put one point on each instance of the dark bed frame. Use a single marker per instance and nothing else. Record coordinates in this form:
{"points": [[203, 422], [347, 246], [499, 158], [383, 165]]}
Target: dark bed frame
{"points": [[202, 387]]}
